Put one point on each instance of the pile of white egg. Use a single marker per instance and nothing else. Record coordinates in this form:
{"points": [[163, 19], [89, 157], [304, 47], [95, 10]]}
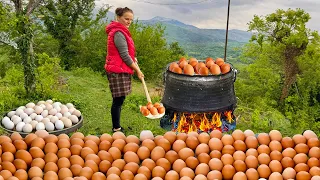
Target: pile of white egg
{"points": [[45, 115]]}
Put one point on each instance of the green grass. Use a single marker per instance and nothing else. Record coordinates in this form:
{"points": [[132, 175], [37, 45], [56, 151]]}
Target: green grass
{"points": [[90, 93]]}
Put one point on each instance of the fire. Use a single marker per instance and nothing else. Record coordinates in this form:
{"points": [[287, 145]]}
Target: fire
{"points": [[201, 122]]}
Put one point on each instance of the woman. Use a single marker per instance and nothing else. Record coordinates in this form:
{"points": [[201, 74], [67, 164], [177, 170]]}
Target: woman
{"points": [[120, 62]]}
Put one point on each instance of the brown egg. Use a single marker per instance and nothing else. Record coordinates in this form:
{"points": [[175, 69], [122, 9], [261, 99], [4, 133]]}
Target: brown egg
{"points": [[140, 177], [204, 158], [303, 175], [132, 139], [20, 144], [187, 172], [20, 164], [131, 157], [118, 135], [289, 173], [264, 158], [75, 150], [188, 69], [104, 145], [185, 153], [50, 157], [239, 155], [164, 143], [228, 149], [36, 152], [170, 136], [215, 144], [275, 145], [64, 152], [77, 141], [239, 165], [15, 136], [149, 163], [204, 71], [313, 162], [301, 167], [24, 155], [215, 164], [298, 138], [91, 164], [289, 152], [131, 147], [178, 145], [264, 171], [192, 142], [227, 159], [64, 173], [8, 147], [182, 136], [76, 168], [51, 138], [215, 154], [113, 177], [145, 112], [98, 176], [214, 175], [172, 156], [227, 140], [252, 152], [251, 142], [300, 158], [193, 62], [238, 135], [119, 163], [275, 135], [63, 163], [240, 176], [276, 155], [21, 174], [192, 162], [193, 133], [86, 150], [4, 138], [251, 161], [75, 159], [38, 142], [287, 142], [178, 165], [38, 162], [8, 166], [143, 152], [7, 156], [275, 166], [216, 134], [150, 144], [126, 174], [5, 173], [215, 69], [313, 142], [202, 148], [163, 162], [275, 176], [183, 63], [173, 65], [228, 171], [104, 166], [50, 175], [145, 171], [252, 174], [154, 111], [93, 138], [287, 162], [51, 147], [78, 135], [263, 149], [239, 145], [301, 148], [50, 166], [158, 171], [93, 145], [35, 172], [157, 153], [87, 172], [314, 171], [314, 152], [263, 138]]}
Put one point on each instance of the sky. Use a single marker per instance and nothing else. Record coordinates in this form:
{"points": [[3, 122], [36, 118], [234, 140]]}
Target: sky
{"points": [[212, 14]]}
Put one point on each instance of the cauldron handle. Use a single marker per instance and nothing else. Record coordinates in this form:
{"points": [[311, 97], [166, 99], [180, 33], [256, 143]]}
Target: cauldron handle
{"points": [[235, 75]]}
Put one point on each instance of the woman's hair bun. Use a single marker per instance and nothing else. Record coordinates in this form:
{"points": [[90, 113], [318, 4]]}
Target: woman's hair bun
{"points": [[120, 11]]}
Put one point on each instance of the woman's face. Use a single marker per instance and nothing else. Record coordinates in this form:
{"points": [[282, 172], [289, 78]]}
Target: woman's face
{"points": [[126, 19]]}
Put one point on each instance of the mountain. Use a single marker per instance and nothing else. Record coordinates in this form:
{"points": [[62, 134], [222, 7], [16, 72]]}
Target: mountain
{"points": [[201, 43]]}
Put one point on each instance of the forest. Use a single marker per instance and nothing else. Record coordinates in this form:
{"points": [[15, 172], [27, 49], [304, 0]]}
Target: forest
{"points": [[44, 44]]}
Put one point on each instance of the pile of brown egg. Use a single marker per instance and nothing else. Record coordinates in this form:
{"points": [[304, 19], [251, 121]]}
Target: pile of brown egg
{"points": [[240, 155], [194, 67], [153, 109]]}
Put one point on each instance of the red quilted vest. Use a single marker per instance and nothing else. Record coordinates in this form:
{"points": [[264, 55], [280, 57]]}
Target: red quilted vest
{"points": [[114, 62]]}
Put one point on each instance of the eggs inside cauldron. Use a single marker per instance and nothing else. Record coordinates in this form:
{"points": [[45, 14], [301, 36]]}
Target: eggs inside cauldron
{"points": [[152, 109], [204, 68], [43, 115]]}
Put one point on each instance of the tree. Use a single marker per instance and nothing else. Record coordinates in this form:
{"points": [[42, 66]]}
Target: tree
{"points": [[285, 30], [61, 18]]}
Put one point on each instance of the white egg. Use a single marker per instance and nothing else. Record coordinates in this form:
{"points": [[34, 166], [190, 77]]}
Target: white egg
{"points": [[49, 126], [67, 123], [49, 116], [56, 104], [23, 115], [44, 120], [39, 118], [19, 126], [58, 108], [19, 112], [45, 113], [67, 114], [59, 124], [49, 101], [8, 124], [27, 128], [14, 116], [22, 107], [11, 113], [53, 111], [40, 126], [77, 113], [34, 124], [146, 134], [29, 111], [16, 120], [5, 119], [41, 102], [30, 105], [38, 109], [74, 119], [27, 119], [43, 106], [53, 119], [59, 115], [48, 106], [70, 105], [71, 110], [33, 115]]}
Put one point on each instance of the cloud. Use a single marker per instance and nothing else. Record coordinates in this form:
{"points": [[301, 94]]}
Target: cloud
{"points": [[213, 13]]}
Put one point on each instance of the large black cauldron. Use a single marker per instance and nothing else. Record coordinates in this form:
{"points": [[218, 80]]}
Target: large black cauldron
{"points": [[213, 93]]}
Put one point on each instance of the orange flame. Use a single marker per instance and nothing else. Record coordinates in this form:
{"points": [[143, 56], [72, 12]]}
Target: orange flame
{"points": [[228, 115], [204, 125], [216, 120]]}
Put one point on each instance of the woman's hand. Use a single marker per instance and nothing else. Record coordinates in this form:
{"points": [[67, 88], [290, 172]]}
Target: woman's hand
{"points": [[140, 74]]}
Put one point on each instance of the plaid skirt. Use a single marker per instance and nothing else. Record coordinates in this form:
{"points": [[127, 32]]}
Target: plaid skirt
{"points": [[120, 84]]}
